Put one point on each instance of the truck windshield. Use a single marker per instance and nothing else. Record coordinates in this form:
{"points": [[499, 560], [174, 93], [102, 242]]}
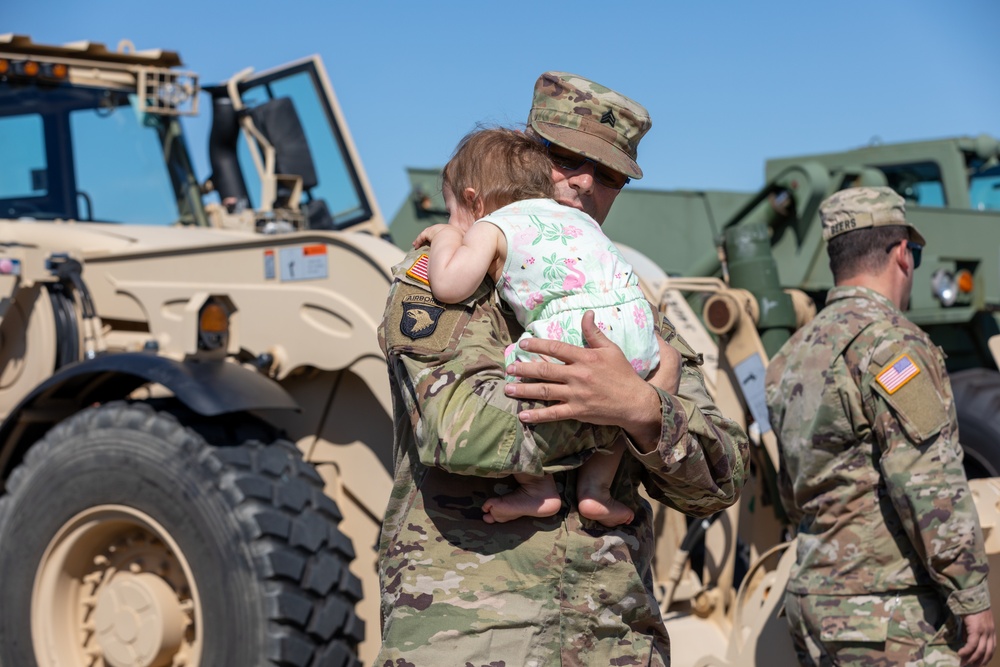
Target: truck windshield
{"points": [[984, 190], [918, 183], [79, 153]]}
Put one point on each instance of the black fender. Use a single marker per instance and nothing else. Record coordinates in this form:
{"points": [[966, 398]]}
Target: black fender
{"points": [[208, 388]]}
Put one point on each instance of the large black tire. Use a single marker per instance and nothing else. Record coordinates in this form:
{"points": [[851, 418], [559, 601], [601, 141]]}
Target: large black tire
{"points": [[977, 400], [125, 535]]}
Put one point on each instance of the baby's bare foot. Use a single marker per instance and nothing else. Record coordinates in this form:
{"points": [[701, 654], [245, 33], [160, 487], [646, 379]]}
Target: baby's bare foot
{"points": [[518, 503], [608, 511]]}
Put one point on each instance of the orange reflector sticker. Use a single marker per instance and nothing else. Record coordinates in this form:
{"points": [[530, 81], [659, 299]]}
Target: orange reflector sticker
{"points": [[312, 250]]}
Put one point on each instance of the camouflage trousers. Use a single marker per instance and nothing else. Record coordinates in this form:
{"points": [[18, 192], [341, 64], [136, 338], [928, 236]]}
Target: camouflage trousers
{"points": [[885, 630]]}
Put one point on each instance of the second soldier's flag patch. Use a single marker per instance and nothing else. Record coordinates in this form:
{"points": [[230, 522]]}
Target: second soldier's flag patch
{"points": [[898, 373]]}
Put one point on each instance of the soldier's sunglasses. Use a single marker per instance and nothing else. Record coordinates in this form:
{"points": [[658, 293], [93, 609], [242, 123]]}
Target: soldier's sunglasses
{"points": [[913, 247], [570, 161]]}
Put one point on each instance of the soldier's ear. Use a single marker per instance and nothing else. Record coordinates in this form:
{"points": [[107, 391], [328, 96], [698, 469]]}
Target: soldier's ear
{"points": [[901, 256]]}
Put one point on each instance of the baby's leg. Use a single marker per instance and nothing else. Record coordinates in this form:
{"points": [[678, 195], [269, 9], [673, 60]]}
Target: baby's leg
{"points": [[536, 496], [593, 488]]}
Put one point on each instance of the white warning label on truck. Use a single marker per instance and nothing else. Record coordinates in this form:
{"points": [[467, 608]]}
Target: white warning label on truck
{"points": [[750, 373], [308, 262]]}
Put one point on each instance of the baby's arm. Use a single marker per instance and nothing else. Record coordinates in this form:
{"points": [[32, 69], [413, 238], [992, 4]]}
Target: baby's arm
{"points": [[459, 262]]}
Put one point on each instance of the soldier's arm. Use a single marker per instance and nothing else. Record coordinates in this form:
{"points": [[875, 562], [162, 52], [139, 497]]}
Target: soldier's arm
{"points": [[916, 427], [696, 458], [451, 377], [775, 391], [699, 463]]}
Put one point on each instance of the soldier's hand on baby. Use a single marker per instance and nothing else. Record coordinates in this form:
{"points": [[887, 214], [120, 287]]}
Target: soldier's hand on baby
{"points": [[427, 235], [594, 384]]}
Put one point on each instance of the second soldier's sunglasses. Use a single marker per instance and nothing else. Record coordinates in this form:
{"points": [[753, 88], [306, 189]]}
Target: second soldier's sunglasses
{"points": [[913, 247], [570, 161]]}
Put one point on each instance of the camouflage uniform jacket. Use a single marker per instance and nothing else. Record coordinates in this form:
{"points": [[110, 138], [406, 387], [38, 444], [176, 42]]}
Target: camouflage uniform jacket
{"points": [[871, 466], [541, 592]]}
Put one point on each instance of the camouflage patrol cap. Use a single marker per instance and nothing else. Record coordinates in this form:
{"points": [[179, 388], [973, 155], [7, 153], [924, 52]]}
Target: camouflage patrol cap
{"points": [[589, 119], [857, 208]]}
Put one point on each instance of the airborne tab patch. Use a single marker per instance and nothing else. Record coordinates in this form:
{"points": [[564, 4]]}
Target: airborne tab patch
{"points": [[898, 373], [419, 270], [420, 315]]}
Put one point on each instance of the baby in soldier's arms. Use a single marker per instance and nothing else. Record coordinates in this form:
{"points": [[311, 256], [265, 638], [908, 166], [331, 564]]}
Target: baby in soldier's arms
{"points": [[551, 263]]}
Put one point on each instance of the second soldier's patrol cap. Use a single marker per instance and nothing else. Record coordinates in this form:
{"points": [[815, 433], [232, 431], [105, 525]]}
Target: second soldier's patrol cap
{"points": [[858, 208], [589, 119]]}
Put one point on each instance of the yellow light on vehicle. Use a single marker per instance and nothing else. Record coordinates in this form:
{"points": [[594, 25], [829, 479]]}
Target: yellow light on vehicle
{"points": [[214, 318], [4, 66], [29, 68], [213, 325], [58, 71], [964, 281]]}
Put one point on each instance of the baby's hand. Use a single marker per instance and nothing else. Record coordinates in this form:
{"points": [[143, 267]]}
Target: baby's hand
{"points": [[667, 375], [427, 235]]}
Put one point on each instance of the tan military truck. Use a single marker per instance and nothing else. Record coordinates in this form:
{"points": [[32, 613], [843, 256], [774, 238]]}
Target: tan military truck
{"points": [[195, 446]]}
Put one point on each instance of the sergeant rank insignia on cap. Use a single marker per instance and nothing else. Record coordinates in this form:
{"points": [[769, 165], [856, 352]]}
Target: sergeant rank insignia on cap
{"points": [[419, 270], [898, 373]]}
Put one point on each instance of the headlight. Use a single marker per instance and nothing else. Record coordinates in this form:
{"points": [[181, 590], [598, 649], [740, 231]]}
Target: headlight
{"points": [[947, 286], [944, 287]]}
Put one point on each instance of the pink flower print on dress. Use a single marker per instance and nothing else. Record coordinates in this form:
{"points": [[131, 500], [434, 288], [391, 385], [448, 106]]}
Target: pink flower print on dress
{"points": [[534, 300], [572, 232], [522, 239], [639, 314], [554, 331], [639, 365]]}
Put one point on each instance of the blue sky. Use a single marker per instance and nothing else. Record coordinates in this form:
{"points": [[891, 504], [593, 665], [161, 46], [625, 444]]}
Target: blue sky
{"points": [[728, 84]]}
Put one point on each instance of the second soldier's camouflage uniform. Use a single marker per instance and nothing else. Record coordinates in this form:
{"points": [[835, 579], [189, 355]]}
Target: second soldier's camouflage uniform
{"points": [[535, 591], [889, 543]]}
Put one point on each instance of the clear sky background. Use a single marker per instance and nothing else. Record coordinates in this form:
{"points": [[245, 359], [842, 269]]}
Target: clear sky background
{"points": [[728, 84]]}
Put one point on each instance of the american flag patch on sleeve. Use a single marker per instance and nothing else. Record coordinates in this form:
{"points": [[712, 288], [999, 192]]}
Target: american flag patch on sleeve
{"points": [[901, 371], [419, 270]]}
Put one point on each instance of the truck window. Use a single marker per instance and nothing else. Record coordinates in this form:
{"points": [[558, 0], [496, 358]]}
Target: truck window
{"points": [[337, 182], [22, 170], [81, 153], [119, 165], [984, 190], [918, 183]]}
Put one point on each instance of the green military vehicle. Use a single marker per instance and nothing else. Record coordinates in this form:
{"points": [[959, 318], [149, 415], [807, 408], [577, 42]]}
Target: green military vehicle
{"points": [[737, 273], [196, 434]]}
